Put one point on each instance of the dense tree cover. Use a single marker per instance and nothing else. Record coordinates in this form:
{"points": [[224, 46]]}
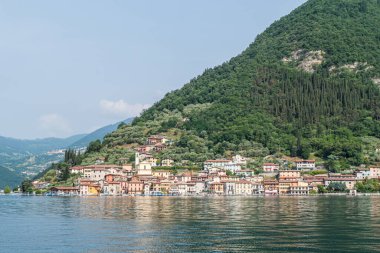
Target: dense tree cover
{"points": [[337, 187], [26, 186], [94, 146], [368, 185], [256, 104]]}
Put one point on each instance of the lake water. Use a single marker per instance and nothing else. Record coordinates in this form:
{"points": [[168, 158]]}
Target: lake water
{"points": [[175, 224]]}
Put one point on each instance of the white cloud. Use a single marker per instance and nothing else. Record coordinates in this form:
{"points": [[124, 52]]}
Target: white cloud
{"points": [[121, 108], [55, 125]]}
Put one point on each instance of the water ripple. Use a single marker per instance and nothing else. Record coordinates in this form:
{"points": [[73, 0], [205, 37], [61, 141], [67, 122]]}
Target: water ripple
{"points": [[183, 224]]}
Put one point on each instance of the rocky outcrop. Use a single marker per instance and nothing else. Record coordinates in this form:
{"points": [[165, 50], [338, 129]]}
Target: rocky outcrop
{"points": [[355, 67], [306, 60]]}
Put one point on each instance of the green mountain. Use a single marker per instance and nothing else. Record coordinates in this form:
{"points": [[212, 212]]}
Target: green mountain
{"points": [[98, 134], [9, 178], [308, 86]]}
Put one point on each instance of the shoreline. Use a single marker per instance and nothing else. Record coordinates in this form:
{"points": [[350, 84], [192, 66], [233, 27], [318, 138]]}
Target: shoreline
{"points": [[198, 196]]}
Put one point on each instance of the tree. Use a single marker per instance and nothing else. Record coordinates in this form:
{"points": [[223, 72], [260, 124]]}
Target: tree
{"points": [[321, 189], [336, 187], [363, 6], [121, 125], [94, 146], [72, 157], [27, 186], [229, 173], [7, 189], [65, 174], [368, 185]]}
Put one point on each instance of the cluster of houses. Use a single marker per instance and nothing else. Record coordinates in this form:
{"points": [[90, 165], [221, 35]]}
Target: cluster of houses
{"points": [[155, 143], [220, 177], [142, 179]]}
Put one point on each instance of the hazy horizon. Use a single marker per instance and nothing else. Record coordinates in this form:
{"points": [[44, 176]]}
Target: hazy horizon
{"points": [[71, 67]]}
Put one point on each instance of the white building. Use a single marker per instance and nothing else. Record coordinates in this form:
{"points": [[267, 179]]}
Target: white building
{"points": [[243, 187], [95, 173], [374, 172], [112, 188], [76, 170], [363, 174], [238, 159], [167, 162], [305, 164], [144, 169], [221, 164], [257, 188]]}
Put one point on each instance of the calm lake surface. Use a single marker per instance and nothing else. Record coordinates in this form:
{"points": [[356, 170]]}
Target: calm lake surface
{"points": [[180, 224]]}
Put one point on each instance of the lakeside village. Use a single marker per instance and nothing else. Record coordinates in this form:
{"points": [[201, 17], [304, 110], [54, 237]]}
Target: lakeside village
{"points": [[218, 177]]}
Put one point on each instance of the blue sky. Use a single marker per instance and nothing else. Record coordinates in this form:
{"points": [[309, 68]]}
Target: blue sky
{"points": [[69, 67]]}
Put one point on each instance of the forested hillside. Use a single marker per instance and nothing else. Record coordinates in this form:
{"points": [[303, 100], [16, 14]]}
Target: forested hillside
{"points": [[308, 86]]}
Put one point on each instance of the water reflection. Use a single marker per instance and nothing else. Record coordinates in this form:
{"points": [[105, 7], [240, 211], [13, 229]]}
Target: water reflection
{"points": [[184, 224]]}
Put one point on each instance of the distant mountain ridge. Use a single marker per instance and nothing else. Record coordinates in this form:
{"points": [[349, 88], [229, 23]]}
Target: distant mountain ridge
{"points": [[25, 158], [97, 134], [8, 178], [36, 146]]}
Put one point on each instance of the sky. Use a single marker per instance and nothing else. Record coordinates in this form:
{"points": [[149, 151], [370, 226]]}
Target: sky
{"points": [[70, 67]]}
